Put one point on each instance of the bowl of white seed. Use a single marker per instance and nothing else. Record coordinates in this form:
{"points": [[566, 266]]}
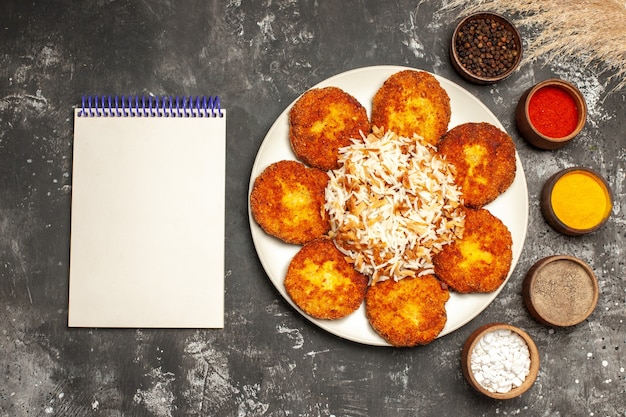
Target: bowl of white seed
{"points": [[500, 361]]}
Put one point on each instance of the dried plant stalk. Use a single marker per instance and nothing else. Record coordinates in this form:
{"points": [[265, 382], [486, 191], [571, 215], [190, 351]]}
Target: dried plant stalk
{"points": [[592, 32]]}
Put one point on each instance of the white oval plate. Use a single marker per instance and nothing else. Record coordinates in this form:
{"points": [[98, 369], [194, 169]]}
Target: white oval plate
{"points": [[511, 207]]}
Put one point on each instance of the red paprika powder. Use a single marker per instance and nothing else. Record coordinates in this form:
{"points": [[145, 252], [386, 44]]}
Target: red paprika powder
{"points": [[553, 112]]}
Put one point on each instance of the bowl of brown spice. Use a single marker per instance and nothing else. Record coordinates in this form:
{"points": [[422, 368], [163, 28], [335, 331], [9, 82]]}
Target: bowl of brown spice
{"points": [[560, 290], [485, 48]]}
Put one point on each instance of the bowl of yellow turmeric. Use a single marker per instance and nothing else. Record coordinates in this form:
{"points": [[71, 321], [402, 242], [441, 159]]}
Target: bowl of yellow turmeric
{"points": [[576, 201]]}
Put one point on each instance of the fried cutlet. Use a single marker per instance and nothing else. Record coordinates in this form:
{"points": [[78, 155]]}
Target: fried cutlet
{"points": [[484, 157], [322, 283], [480, 261], [408, 312], [412, 102], [287, 201], [323, 120]]}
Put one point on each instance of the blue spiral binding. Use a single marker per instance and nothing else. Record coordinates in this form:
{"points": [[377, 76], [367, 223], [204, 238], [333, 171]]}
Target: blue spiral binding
{"points": [[147, 106]]}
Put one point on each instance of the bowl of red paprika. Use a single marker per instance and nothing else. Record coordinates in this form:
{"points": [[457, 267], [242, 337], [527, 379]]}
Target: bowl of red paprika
{"points": [[551, 113]]}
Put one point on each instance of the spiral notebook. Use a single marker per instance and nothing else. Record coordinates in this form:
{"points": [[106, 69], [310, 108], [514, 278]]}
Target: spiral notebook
{"points": [[147, 222]]}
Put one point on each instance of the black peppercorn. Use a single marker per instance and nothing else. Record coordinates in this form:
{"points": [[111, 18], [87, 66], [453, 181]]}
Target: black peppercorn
{"points": [[486, 47]]}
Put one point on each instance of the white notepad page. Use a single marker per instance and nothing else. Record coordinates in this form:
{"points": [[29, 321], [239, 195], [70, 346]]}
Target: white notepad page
{"points": [[147, 232]]}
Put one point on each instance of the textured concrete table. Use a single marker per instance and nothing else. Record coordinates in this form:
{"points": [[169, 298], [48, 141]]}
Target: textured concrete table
{"points": [[268, 360]]}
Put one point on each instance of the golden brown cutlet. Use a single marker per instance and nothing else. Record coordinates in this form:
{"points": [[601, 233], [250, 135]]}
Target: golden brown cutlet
{"points": [[287, 201], [480, 261], [323, 120], [408, 312], [484, 158], [412, 102], [322, 283]]}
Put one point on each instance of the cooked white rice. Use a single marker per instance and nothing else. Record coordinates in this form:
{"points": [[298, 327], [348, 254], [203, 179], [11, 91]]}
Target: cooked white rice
{"points": [[392, 205]]}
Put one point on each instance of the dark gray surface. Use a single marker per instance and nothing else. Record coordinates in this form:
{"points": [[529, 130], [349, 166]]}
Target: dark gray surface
{"points": [[268, 360]]}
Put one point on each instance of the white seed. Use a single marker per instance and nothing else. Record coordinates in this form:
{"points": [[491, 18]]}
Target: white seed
{"points": [[500, 361]]}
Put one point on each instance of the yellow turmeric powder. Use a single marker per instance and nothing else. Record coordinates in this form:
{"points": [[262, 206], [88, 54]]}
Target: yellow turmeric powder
{"points": [[580, 200]]}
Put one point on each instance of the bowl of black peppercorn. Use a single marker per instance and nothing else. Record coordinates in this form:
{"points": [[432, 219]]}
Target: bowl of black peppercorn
{"points": [[485, 48]]}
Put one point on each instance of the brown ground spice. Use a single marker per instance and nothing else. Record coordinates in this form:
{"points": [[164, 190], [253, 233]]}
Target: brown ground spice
{"points": [[563, 292]]}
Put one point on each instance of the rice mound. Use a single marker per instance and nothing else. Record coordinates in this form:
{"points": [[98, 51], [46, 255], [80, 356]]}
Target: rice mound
{"points": [[392, 205]]}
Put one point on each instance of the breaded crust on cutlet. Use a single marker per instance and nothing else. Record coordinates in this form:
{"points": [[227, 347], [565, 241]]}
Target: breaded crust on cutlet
{"points": [[323, 120], [322, 282], [484, 158], [411, 102], [480, 261], [408, 312], [287, 201]]}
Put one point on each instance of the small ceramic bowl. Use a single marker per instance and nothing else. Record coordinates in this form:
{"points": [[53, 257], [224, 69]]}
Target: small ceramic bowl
{"points": [[532, 133], [560, 291], [576, 201], [468, 350], [485, 53]]}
